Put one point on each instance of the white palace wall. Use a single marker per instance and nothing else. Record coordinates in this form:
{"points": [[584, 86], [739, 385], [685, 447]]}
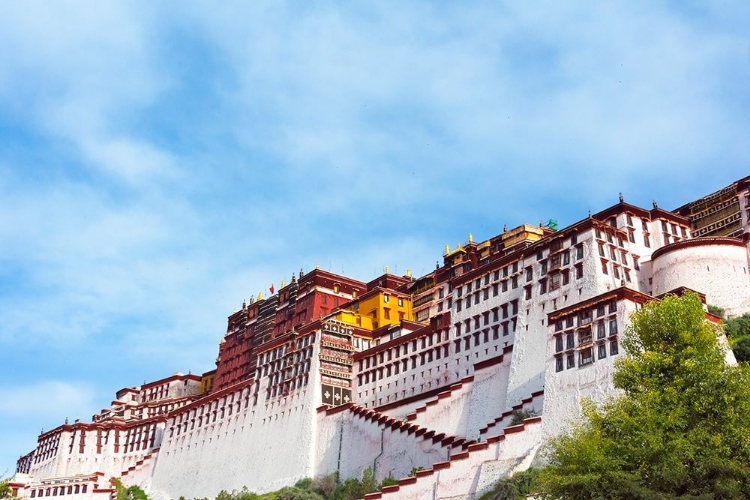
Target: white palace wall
{"points": [[716, 267], [234, 452]]}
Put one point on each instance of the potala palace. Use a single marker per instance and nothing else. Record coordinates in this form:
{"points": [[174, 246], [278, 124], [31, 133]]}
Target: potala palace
{"points": [[330, 374]]}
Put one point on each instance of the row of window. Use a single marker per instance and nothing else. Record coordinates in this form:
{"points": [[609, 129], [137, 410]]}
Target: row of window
{"points": [[402, 350], [585, 317], [403, 365], [586, 355], [59, 490], [585, 335]]}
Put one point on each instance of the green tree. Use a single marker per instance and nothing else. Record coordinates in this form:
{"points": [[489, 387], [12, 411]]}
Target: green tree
{"points": [[516, 487], [5, 491], [738, 331], [129, 493], [681, 429], [295, 493]]}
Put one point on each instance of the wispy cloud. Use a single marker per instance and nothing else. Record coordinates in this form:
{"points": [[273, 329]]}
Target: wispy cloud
{"points": [[159, 165]]}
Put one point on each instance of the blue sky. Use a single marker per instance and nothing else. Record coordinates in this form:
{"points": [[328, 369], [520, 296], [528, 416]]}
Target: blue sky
{"points": [[161, 162]]}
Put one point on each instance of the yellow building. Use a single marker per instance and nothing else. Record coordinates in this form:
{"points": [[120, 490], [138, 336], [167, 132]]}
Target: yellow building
{"points": [[377, 308]]}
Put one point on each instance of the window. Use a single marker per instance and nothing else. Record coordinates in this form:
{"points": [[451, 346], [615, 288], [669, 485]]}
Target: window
{"points": [[602, 351], [613, 327], [554, 281], [505, 272], [458, 305], [600, 333], [569, 341], [515, 267], [529, 274], [646, 241], [598, 233], [571, 360], [586, 356], [629, 218], [486, 294], [579, 252], [601, 250], [542, 287], [604, 267], [544, 267], [527, 292], [558, 343], [514, 282], [558, 364], [612, 306], [613, 254], [539, 255], [565, 277], [635, 263], [504, 285], [566, 258], [573, 238], [495, 290], [386, 298], [400, 301], [613, 348]]}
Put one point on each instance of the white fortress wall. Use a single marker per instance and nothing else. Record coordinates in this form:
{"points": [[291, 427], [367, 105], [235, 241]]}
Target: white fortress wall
{"points": [[447, 412], [716, 267], [487, 399], [583, 379], [233, 451]]}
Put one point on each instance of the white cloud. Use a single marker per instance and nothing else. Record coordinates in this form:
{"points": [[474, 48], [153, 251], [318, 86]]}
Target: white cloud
{"points": [[53, 399]]}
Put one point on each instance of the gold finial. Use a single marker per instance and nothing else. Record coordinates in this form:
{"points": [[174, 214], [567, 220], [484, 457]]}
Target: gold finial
{"points": [[283, 283], [471, 238], [260, 295], [447, 249], [386, 269], [408, 272], [317, 266]]}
